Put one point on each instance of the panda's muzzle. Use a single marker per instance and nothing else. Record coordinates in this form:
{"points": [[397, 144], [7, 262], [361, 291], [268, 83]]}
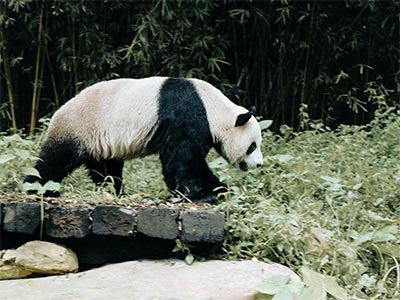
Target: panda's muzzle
{"points": [[243, 166]]}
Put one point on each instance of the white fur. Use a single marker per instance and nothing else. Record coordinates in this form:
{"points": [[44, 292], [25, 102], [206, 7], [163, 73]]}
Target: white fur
{"points": [[251, 132], [115, 119], [222, 114]]}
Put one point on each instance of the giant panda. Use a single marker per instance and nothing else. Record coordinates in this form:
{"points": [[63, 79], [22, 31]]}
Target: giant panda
{"points": [[180, 119]]}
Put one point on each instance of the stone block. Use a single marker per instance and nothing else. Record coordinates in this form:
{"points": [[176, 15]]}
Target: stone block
{"points": [[67, 222], [158, 222], [21, 217], [202, 226], [113, 220]]}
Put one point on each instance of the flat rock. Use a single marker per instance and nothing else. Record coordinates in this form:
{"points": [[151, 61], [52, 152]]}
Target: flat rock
{"points": [[155, 280]]}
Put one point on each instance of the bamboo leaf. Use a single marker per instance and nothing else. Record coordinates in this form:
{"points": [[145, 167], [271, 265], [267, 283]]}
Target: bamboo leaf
{"points": [[5, 158], [315, 281], [189, 259], [333, 288], [30, 171], [272, 285], [24, 154]]}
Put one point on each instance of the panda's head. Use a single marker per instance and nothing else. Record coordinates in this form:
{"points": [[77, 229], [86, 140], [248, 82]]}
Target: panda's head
{"points": [[241, 143]]}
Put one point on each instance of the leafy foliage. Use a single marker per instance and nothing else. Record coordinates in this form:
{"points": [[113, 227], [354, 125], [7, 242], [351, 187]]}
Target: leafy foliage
{"points": [[315, 286], [325, 201], [337, 57], [16, 160]]}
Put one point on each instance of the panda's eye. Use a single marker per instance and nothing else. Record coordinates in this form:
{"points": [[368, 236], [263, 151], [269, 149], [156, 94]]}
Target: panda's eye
{"points": [[251, 149]]}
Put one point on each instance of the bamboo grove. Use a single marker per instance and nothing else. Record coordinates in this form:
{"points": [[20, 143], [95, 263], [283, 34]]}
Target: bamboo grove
{"points": [[340, 59]]}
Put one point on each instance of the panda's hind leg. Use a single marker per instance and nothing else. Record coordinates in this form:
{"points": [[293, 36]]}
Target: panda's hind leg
{"points": [[57, 159], [106, 170]]}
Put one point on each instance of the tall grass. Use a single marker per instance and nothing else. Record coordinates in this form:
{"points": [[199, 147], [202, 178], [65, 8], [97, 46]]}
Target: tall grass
{"points": [[325, 199]]}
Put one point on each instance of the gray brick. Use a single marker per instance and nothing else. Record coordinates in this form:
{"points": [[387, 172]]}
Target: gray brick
{"points": [[113, 220], [158, 222], [22, 217], [67, 222], [202, 226]]}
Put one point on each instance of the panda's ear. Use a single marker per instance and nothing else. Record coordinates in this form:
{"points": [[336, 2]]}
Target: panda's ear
{"points": [[243, 118]]}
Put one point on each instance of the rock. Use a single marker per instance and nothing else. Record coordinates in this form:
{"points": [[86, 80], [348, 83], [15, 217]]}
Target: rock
{"points": [[8, 270], [46, 258], [113, 220], [37, 257], [158, 222], [202, 226], [22, 217], [156, 280], [67, 222]]}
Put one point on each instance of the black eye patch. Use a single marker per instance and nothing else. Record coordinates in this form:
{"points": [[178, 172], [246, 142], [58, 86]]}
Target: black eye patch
{"points": [[251, 149]]}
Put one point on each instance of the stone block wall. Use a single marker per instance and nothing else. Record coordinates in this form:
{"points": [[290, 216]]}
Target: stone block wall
{"points": [[111, 233]]}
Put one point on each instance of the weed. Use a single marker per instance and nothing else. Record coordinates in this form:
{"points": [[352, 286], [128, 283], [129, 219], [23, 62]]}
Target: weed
{"points": [[325, 200]]}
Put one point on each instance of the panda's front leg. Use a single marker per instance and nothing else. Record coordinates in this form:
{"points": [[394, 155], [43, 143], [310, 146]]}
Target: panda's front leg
{"points": [[210, 182], [183, 170]]}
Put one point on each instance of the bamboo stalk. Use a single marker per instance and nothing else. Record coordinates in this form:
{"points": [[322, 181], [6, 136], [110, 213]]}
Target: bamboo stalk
{"points": [[10, 87], [40, 80], [236, 54], [53, 80], [308, 52], [43, 53], [74, 57], [35, 98], [1, 93]]}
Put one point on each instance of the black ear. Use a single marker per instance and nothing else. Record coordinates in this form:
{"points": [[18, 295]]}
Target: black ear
{"points": [[244, 118]]}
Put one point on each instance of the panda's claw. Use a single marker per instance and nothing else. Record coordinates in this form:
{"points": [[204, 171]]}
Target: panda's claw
{"points": [[222, 188]]}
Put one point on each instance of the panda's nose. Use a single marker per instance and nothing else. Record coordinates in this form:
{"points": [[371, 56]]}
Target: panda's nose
{"points": [[259, 165]]}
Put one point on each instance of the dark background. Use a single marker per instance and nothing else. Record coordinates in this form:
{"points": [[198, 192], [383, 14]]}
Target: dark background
{"points": [[340, 58]]}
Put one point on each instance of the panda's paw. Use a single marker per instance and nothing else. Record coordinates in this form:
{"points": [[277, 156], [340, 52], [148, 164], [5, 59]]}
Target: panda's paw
{"points": [[47, 194], [52, 194], [205, 198]]}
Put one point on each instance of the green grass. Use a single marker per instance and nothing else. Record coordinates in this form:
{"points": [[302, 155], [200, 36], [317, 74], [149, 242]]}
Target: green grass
{"points": [[326, 200]]}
